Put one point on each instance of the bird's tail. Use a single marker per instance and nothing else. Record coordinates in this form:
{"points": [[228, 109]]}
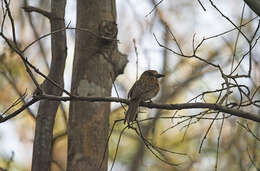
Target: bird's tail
{"points": [[132, 111]]}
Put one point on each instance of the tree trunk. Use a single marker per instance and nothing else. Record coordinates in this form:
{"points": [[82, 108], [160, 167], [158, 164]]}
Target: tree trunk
{"points": [[254, 5], [96, 64], [42, 147]]}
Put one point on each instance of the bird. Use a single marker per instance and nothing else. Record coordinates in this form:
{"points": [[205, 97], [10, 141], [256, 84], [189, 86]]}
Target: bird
{"points": [[143, 89]]}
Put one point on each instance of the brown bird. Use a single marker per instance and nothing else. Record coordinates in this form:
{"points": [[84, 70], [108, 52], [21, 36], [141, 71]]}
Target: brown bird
{"points": [[143, 89]]}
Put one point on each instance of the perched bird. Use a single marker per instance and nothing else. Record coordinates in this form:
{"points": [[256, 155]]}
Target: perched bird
{"points": [[143, 89]]}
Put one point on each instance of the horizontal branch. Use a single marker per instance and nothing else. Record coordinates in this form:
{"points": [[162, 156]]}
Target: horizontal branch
{"points": [[212, 106]]}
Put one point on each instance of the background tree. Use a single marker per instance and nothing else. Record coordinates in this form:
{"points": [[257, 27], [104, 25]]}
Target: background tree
{"points": [[208, 52], [96, 65]]}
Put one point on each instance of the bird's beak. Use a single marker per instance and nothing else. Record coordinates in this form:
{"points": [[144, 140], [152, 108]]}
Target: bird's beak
{"points": [[159, 75]]}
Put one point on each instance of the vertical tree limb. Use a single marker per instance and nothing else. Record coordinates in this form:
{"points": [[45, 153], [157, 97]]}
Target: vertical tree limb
{"points": [[42, 148]]}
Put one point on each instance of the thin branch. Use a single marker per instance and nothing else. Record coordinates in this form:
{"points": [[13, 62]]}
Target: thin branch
{"points": [[214, 6], [155, 6], [11, 19], [249, 130], [202, 5], [43, 36], [107, 141], [137, 59], [37, 10], [251, 159], [16, 102], [21, 109], [218, 144], [28, 64], [58, 136], [11, 80], [58, 165], [117, 146], [25, 61], [207, 132]]}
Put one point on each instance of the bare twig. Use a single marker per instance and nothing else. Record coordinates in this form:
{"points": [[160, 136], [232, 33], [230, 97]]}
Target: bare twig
{"points": [[202, 5], [11, 19], [249, 130], [37, 10], [137, 60], [155, 6]]}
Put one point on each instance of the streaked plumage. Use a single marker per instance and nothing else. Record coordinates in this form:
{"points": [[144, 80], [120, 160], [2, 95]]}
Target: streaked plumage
{"points": [[143, 89]]}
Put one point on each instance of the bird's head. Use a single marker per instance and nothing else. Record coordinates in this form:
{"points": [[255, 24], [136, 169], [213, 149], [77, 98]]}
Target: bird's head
{"points": [[151, 73]]}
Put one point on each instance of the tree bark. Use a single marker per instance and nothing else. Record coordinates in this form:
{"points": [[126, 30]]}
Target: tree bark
{"points": [[96, 64], [254, 5], [42, 147]]}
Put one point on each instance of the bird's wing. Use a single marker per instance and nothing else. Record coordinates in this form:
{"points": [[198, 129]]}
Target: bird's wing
{"points": [[133, 90], [140, 88]]}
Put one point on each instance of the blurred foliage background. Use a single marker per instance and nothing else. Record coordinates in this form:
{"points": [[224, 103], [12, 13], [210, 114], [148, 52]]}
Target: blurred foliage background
{"points": [[171, 22]]}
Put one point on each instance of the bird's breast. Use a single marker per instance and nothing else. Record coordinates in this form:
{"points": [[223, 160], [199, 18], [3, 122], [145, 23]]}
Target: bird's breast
{"points": [[152, 89]]}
